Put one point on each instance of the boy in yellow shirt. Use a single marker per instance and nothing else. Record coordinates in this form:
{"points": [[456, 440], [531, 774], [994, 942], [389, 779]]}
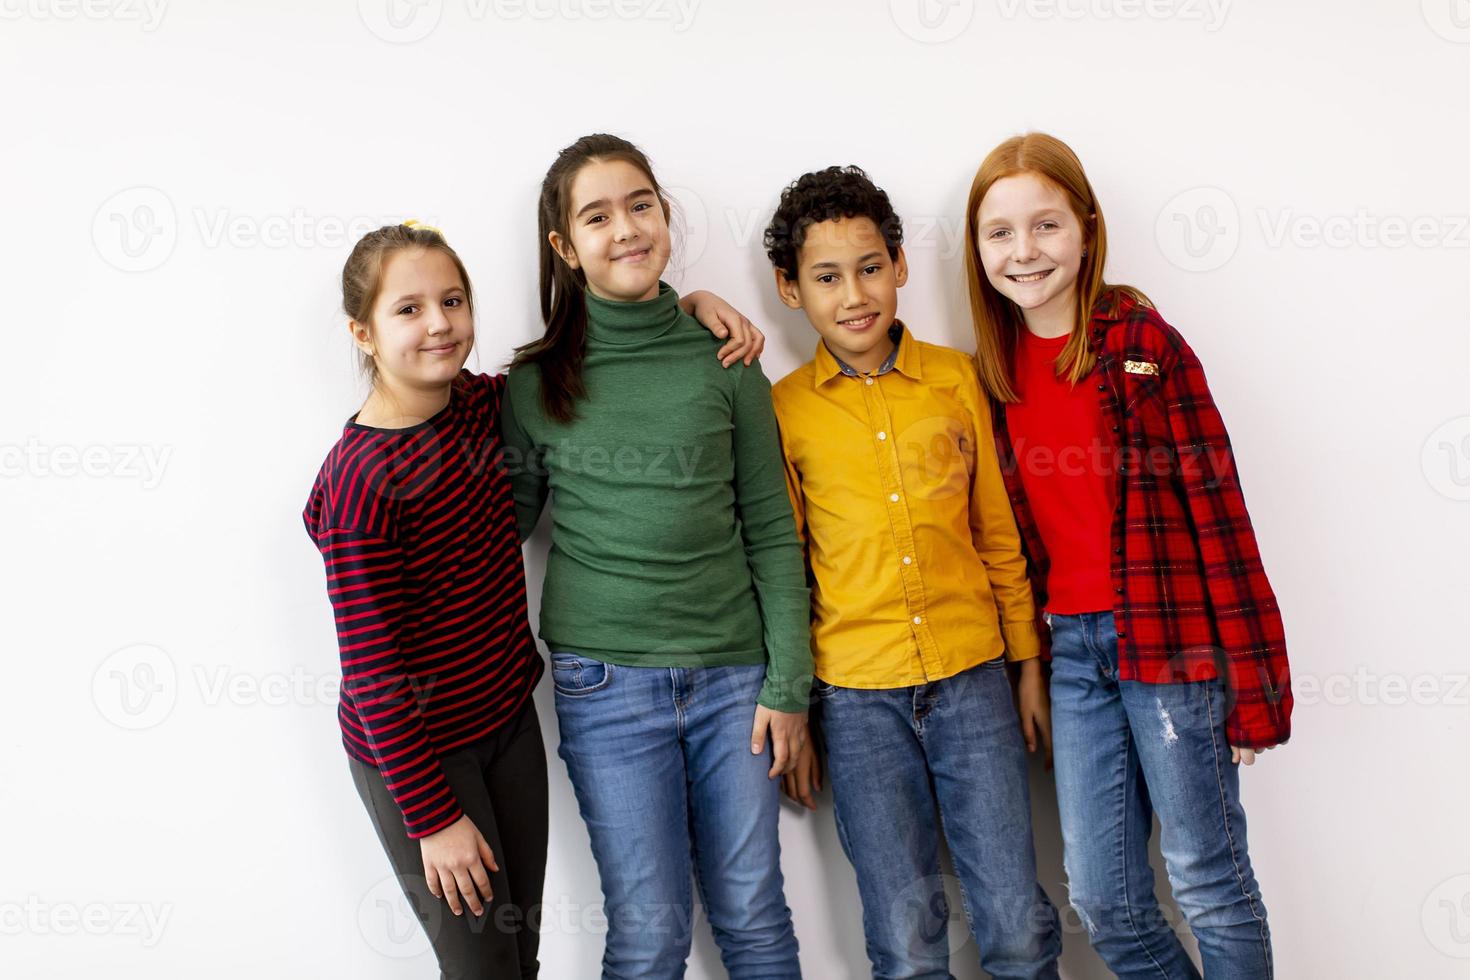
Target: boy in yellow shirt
{"points": [[919, 599]]}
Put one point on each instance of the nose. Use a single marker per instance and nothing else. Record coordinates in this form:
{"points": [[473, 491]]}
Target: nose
{"points": [[437, 321], [1025, 249], [625, 229], [852, 293]]}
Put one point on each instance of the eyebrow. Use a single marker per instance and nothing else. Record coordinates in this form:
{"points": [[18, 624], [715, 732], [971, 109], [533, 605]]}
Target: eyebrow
{"points": [[408, 296], [1033, 216], [833, 265], [602, 202]]}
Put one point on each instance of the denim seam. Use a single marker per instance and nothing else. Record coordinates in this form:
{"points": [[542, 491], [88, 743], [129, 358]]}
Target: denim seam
{"points": [[846, 844], [964, 890], [1127, 897], [1230, 838], [694, 861], [680, 703], [1093, 642]]}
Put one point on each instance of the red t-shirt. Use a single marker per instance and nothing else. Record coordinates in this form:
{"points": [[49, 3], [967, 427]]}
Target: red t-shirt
{"points": [[1065, 461]]}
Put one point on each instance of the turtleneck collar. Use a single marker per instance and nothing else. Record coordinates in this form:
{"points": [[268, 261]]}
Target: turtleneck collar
{"points": [[627, 324]]}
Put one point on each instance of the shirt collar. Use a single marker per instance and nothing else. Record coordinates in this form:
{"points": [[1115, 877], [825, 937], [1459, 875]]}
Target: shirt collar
{"points": [[904, 358]]}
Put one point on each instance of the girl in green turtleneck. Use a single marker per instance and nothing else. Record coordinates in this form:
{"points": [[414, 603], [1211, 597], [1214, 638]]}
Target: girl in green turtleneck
{"points": [[675, 604]]}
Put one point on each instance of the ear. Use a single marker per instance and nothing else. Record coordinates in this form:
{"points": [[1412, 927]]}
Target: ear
{"points": [[788, 290], [561, 246], [362, 336], [900, 268]]}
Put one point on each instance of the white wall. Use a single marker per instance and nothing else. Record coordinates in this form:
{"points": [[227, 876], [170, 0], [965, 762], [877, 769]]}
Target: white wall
{"points": [[206, 825]]}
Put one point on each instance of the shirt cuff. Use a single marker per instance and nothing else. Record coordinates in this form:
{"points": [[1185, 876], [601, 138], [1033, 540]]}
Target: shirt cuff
{"points": [[1022, 641], [1252, 727]]}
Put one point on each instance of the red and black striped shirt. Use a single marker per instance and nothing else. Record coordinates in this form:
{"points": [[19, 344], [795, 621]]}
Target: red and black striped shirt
{"points": [[1190, 595], [417, 528]]}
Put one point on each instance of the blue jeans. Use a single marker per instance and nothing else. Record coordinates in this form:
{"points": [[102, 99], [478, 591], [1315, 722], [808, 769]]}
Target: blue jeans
{"points": [[893, 757], [1125, 750], [661, 764]]}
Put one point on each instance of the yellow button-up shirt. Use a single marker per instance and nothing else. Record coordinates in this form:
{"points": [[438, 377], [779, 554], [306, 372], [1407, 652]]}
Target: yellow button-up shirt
{"points": [[913, 552]]}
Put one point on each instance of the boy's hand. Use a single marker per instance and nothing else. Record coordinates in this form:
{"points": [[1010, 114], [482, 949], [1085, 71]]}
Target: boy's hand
{"points": [[805, 778], [788, 735], [1034, 707], [723, 320], [455, 860]]}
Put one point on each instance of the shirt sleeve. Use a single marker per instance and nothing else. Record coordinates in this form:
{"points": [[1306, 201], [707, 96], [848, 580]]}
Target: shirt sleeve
{"points": [[997, 541], [525, 462], [1246, 616], [771, 545], [365, 585], [793, 488]]}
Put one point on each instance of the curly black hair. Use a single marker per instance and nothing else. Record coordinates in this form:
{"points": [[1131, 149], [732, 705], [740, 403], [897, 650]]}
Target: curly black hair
{"points": [[828, 195]]}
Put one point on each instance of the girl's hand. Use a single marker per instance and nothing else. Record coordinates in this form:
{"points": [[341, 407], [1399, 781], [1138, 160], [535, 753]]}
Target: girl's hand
{"points": [[723, 320], [788, 736], [805, 778], [1246, 756], [455, 860], [1034, 707]]}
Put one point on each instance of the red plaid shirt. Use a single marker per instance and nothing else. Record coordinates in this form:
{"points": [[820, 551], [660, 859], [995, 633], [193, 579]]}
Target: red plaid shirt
{"points": [[1191, 599]]}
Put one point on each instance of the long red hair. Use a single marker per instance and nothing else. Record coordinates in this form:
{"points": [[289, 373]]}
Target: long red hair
{"points": [[997, 320]]}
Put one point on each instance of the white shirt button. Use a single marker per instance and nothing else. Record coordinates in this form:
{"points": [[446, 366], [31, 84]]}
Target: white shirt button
{"points": [[918, 620], [882, 436], [893, 497], [868, 380], [907, 560]]}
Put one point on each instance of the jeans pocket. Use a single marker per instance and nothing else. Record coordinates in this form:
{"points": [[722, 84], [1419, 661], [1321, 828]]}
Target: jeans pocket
{"points": [[573, 675]]}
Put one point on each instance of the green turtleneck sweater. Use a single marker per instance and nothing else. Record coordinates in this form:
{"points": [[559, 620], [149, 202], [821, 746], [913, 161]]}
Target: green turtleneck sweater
{"points": [[672, 541]]}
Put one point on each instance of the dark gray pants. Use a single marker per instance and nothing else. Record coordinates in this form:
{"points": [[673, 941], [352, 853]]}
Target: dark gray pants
{"points": [[501, 785]]}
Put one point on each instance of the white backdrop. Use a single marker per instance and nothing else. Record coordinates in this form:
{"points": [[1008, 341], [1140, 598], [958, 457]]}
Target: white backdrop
{"points": [[182, 182]]}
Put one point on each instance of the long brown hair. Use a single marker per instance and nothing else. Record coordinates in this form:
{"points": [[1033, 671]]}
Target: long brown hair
{"points": [[560, 350], [998, 321], [362, 275]]}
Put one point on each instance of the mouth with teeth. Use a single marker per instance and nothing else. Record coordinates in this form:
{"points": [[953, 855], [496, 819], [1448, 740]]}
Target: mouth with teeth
{"points": [[1032, 276], [859, 322]]}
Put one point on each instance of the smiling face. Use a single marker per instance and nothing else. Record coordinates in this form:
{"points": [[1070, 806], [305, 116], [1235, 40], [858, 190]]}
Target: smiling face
{"points": [[847, 285], [617, 231], [1030, 245], [422, 328]]}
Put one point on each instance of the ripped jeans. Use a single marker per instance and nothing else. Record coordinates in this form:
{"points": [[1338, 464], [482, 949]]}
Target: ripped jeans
{"points": [[1126, 750]]}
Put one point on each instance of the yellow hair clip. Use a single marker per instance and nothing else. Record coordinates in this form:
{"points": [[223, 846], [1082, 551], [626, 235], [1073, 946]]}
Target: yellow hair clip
{"points": [[416, 223]]}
